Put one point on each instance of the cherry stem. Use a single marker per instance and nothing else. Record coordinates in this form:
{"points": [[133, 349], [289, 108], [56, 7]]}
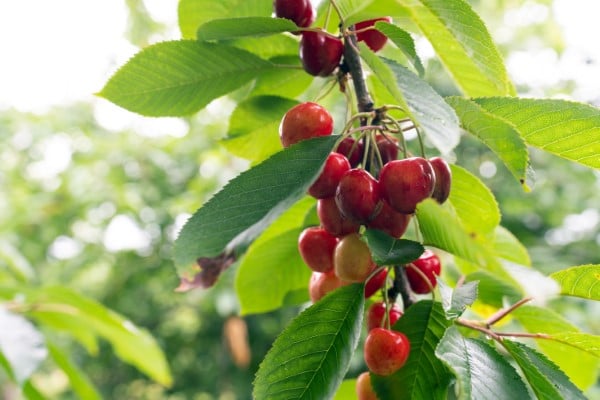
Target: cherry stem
{"points": [[505, 311], [421, 146], [352, 60], [402, 287]]}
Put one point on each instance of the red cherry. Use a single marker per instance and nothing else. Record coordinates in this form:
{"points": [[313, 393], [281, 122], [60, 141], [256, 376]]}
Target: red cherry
{"points": [[376, 315], [388, 148], [304, 121], [386, 351], [332, 219], [299, 11], [322, 283], [357, 195], [320, 53], [443, 179], [364, 389], [316, 246], [372, 37], [405, 183], [352, 149], [429, 264], [352, 260], [390, 221], [326, 184], [375, 283]]}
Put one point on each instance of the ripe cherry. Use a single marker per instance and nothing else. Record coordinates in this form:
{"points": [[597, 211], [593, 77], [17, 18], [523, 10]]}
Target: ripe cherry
{"points": [[372, 37], [405, 183], [390, 221], [386, 351], [364, 389], [352, 260], [325, 185], [316, 247], [320, 53], [429, 264], [357, 196], [375, 283], [376, 315], [322, 283], [443, 179], [352, 149], [332, 219], [299, 11], [388, 148], [304, 121]]}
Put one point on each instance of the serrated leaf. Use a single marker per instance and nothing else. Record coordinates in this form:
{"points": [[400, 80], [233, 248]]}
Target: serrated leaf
{"points": [[21, 345], [455, 301], [463, 44], [178, 78], [473, 202], [423, 376], [405, 43], [232, 28], [545, 378], [250, 202], [311, 356], [500, 136], [387, 250], [420, 101], [582, 281], [481, 372], [78, 380], [193, 13], [568, 129]]}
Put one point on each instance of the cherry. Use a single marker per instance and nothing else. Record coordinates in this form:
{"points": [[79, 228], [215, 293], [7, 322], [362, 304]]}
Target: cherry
{"points": [[316, 247], [352, 260], [304, 121], [320, 52], [429, 264], [322, 283], [390, 221], [335, 167], [443, 179], [372, 37], [376, 314], [388, 148], [352, 149], [375, 283], [386, 351], [332, 219], [357, 195], [364, 389], [405, 183], [299, 11]]}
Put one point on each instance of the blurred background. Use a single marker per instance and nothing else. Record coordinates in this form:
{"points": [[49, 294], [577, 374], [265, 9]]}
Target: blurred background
{"points": [[91, 196]]}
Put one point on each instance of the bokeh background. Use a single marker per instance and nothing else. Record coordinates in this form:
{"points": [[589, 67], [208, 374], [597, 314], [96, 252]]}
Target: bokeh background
{"points": [[92, 196]]}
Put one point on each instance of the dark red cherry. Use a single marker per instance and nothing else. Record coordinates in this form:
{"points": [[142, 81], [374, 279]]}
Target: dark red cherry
{"points": [[443, 179], [316, 246], [320, 53], [335, 167], [376, 315], [352, 149], [429, 264], [390, 221], [332, 219], [372, 37], [304, 121], [388, 148], [405, 183], [300, 11], [357, 196], [375, 283]]}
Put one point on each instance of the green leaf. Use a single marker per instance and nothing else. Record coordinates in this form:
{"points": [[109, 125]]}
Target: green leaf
{"points": [[348, 8], [545, 378], [347, 390], [193, 13], [283, 81], [16, 263], [508, 247], [178, 78], [21, 345], [231, 28], [587, 343], [254, 126], [389, 251], [79, 381], [250, 202], [568, 129], [481, 372], [268, 47], [455, 301], [405, 43], [31, 392], [421, 102], [582, 281], [494, 291], [463, 44], [311, 356], [473, 202], [423, 376], [500, 136]]}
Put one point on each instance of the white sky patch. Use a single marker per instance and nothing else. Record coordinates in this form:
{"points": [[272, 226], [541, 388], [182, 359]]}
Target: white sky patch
{"points": [[56, 157], [64, 248], [123, 233]]}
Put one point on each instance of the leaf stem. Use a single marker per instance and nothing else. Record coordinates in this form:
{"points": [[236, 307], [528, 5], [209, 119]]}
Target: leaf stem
{"points": [[505, 311]]}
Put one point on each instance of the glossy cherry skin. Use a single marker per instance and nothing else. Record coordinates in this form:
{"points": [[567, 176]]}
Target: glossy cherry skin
{"points": [[376, 315], [316, 247], [352, 149], [405, 183], [443, 179], [364, 389], [388, 148], [332, 219], [335, 167], [322, 283], [301, 12], [386, 351], [375, 283], [304, 121], [320, 53], [390, 221], [372, 37], [357, 196], [429, 264], [352, 260]]}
